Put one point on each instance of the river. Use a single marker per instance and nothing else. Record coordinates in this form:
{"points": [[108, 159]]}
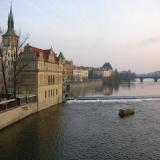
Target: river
{"points": [[89, 130]]}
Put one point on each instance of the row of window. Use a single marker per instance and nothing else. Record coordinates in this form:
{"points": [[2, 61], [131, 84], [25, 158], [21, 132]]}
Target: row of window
{"points": [[10, 80], [51, 93], [11, 55], [51, 80]]}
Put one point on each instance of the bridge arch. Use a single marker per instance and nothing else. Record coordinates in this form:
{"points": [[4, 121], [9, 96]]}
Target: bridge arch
{"points": [[143, 78]]}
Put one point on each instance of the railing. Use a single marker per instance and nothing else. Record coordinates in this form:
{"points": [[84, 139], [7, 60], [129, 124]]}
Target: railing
{"points": [[12, 103], [7, 104]]}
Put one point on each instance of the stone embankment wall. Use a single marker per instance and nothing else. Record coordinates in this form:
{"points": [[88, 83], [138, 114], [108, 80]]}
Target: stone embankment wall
{"points": [[13, 115]]}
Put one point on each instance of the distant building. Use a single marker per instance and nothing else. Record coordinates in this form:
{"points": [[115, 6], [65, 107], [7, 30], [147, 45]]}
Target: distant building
{"points": [[62, 60], [69, 70], [80, 74], [95, 73], [67, 74], [107, 70]]}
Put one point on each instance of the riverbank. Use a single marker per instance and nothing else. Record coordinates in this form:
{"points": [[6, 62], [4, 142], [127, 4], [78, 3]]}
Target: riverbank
{"points": [[12, 115]]}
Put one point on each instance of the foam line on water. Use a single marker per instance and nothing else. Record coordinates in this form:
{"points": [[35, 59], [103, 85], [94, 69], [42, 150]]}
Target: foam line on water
{"points": [[104, 101], [112, 100]]}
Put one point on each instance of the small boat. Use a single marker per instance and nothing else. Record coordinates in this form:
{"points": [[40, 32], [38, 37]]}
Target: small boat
{"points": [[126, 112]]}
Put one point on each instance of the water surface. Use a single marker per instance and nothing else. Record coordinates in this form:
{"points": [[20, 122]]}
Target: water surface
{"points": [[147, 88], [86, 131]]}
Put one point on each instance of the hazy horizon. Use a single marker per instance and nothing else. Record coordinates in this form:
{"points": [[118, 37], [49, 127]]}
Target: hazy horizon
{"points": [[125, 33]]}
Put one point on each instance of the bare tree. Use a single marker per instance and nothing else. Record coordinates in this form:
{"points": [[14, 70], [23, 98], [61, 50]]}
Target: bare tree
{"points": [[3, 61], [18, 65]]}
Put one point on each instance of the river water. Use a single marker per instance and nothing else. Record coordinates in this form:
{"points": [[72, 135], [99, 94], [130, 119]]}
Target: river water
{"points": [[89, 130], [147, 88]]}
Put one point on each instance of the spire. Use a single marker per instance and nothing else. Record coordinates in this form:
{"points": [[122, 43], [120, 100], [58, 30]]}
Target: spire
{"points": [[10, 19], [10, 30]]}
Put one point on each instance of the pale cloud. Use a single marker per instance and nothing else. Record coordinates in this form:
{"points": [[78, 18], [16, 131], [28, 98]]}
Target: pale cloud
{"points": [[151, 40]]}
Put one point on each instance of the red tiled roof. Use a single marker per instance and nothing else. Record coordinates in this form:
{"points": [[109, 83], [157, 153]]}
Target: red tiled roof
{"points": [[45, 52], [34, 49]]}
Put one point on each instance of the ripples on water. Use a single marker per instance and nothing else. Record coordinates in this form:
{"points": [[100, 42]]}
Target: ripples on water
{"points": [[89, 130], [86, 131]]}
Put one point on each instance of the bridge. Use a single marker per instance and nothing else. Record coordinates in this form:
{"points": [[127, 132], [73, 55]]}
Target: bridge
{"points": [[155, 76]]}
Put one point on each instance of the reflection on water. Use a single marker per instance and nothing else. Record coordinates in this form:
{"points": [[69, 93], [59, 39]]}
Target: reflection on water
{"points": [[147, 88], [89, 131]]}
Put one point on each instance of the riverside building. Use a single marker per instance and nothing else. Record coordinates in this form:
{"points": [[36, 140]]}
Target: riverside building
{"points": [[41, 76], [40, 70]]}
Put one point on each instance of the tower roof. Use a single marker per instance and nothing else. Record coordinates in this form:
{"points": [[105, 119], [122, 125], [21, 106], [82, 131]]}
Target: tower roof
{"points": [[107, 66], [10, 30], [61, 56]]}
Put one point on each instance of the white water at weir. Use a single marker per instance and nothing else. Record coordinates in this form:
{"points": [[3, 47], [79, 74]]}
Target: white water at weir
{"points": [[113, 100]]}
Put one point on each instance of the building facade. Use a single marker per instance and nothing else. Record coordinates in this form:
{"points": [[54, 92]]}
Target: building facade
{"points": [[41, 76], [38, 71], [9, 47], [68, 71], [95, 73], [107, 70], [80, 74], [67, 74]]}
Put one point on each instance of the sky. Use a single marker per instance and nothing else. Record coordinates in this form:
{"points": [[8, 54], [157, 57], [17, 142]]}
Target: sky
{"points": [[125, 33]]}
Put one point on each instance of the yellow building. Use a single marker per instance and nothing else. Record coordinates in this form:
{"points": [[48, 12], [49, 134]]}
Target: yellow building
{"points": [[67, 75], [41, 76]]}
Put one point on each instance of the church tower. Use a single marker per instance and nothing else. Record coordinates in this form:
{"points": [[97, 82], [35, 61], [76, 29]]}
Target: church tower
{"points": [[10, 42], [10, 39]]}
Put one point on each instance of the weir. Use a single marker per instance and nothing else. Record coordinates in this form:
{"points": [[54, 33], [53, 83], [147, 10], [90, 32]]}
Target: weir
{"points": [[113, 98]]}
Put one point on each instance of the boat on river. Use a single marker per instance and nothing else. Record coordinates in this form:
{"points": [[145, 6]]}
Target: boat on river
{"points": [[126, 112]]}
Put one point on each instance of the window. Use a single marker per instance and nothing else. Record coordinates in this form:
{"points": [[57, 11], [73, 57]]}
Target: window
{"points": [[56, 91], [53, 79], [48, 80], [45, 94], [49, 93]]}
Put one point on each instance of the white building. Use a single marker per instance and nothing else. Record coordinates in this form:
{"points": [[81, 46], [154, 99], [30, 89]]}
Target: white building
{"points": [[80, 74]]}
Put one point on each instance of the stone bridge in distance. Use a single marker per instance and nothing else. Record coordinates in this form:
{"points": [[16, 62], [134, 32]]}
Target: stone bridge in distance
{"points": [[154, 75]]}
